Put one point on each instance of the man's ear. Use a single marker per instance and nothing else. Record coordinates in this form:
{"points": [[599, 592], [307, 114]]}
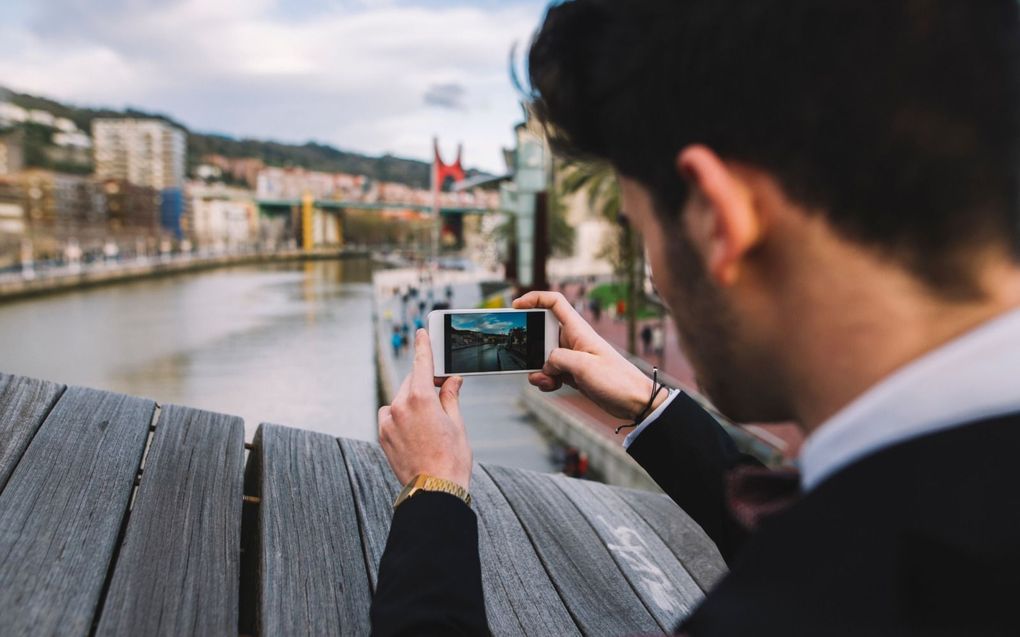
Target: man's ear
{"points": [[721, 219]]}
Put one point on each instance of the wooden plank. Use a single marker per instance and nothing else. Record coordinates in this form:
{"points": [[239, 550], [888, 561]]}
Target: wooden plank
{"points": [[314, 579], [177, 571], [519, 596], [375, 487], [665, 587], [24, 403], [598, 596], [63, 508], [688, 542]]}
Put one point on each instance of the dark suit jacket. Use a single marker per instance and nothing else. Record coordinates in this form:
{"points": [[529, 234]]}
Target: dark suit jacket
{"points": [[922, 538]]}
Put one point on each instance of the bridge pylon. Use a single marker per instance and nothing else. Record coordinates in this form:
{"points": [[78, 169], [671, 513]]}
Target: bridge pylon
{"points": [[440, 172]]}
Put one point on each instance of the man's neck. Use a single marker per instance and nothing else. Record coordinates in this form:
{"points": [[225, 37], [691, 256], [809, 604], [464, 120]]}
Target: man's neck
{"points": [[864, 332]]}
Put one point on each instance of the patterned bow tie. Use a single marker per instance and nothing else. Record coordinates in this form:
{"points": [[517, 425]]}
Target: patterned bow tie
{"points": [[755, 493]]}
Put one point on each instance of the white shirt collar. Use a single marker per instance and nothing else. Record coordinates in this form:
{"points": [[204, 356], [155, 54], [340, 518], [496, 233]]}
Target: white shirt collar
{"points": [[972, 377]]}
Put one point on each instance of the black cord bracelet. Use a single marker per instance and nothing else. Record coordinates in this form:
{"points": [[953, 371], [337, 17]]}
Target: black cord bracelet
{"points": [[656, 388]]}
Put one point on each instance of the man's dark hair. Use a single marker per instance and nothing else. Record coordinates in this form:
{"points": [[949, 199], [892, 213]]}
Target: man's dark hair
{"points": [[897, 119]]}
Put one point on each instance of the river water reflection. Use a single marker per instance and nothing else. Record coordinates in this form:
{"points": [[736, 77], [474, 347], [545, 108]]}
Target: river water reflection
{"points": [[288, 343]]}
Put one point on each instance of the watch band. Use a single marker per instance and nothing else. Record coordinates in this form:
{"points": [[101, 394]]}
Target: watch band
{"points": [[425, 482]]}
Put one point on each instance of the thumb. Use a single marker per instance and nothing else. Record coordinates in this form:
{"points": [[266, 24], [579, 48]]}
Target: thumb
{"points": [[449, 397]]}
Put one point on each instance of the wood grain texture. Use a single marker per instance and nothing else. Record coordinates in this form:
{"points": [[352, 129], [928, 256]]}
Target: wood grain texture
{"points": [[314, 580], [519, 595], [665, 587], [177, 570], [24, 403], [598, 596], [63, 508], [682, 535], [375, 487]]}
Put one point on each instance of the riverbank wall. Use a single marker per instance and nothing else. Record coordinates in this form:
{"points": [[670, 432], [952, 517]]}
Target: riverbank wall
{"points": [[606, 457], [12, 288]]}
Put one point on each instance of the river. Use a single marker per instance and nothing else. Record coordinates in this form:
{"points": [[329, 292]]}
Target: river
{"points": [[287, 343]]}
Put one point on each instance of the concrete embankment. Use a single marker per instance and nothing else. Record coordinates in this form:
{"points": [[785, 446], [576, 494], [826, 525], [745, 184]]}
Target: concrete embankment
{"points": [[606, 457], [20, 287]]}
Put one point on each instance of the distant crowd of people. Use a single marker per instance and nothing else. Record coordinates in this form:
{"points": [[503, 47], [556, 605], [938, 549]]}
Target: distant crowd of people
{"points": [[415, 302]]}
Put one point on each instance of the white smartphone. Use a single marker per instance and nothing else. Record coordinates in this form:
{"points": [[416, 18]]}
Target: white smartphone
{"points": [[475, 342]]}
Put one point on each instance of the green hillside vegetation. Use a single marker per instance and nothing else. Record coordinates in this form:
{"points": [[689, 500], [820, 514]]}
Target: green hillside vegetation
{"points": [[311, 155]]}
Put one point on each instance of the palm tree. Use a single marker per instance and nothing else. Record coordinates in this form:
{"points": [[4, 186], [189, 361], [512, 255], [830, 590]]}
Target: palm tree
{"points": [[598, 182]]}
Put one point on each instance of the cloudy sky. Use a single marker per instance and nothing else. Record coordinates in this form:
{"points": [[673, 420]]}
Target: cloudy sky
{"points": [[372, 76], [500, 323]]}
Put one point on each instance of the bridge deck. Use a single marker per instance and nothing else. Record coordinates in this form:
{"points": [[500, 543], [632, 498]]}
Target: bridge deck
{"points": [[121, 517]]}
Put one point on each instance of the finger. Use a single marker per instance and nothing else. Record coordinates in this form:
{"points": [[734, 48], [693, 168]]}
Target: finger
{"points": [[561, 309], [544, 381], [449, 397], [405, 389], [566, 361], [423, 372], [384, 420]]}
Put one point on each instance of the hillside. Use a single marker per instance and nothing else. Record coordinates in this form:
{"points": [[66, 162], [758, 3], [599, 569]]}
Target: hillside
{"points": [[310, 155]]}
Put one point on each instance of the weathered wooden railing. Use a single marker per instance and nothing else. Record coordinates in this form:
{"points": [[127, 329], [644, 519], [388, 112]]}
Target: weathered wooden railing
{"points": [[121, 517]]}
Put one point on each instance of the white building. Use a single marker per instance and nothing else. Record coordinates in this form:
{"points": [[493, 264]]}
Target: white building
{"points": [[294, 183], [11, 113], [223, 217], [145, 152], [74, 139], [43, 118]]}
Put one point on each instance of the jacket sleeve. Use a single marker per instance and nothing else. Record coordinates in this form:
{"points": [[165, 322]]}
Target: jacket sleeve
{"points": [[688, 453], [430, 577]]}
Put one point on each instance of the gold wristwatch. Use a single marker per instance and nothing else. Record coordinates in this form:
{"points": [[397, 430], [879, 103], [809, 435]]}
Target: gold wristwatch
{"points": [[425, 482]]}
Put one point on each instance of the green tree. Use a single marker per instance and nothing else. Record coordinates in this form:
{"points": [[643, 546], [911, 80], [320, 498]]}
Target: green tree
{"points": [[598, 182]]}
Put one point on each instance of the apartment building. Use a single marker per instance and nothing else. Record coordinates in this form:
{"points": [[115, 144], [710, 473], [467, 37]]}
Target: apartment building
{"points": [[144, 152]]}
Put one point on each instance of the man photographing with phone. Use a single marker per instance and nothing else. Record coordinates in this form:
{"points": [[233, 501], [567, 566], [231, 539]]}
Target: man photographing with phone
{"points": [[828, 195]]}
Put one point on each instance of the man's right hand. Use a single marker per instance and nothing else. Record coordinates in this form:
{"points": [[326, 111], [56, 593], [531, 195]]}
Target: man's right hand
{"points": [[588, 363]]}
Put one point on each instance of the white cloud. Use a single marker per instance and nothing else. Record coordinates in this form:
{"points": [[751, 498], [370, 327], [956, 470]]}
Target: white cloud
{"points": [[355, 75]]}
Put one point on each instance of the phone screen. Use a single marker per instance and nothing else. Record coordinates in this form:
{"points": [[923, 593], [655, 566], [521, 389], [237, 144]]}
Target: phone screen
{"points": [[494, 342]]}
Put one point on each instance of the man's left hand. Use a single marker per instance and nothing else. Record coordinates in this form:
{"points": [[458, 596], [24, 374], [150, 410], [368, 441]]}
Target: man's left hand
{"points": [[422, 432]]}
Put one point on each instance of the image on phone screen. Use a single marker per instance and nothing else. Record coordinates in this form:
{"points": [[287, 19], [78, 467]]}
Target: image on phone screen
{"points": [[496, 342]]}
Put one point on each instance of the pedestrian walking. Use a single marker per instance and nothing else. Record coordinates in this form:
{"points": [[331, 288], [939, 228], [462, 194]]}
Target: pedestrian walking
{"points": [[596, 309], [646, 339], [397, 341], [621, 309]]}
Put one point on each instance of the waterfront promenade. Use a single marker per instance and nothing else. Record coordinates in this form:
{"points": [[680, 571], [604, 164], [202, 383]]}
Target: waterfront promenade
{"points": [[14, 285], [122, 516]]}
